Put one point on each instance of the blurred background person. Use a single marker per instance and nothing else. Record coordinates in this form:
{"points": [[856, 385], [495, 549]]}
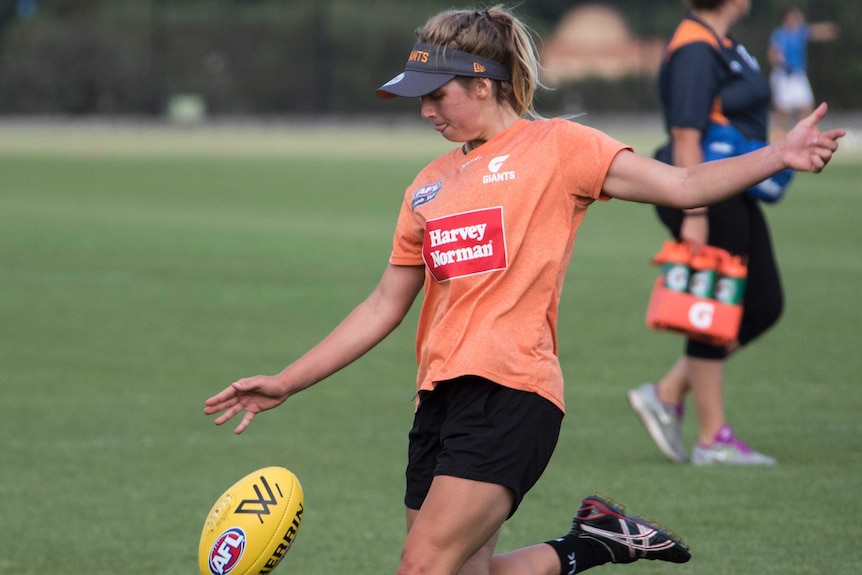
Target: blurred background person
{"points": [[707, 77], [788, 55]]}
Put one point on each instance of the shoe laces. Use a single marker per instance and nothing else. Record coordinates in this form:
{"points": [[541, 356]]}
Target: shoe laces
{"points": [[725, 436]]}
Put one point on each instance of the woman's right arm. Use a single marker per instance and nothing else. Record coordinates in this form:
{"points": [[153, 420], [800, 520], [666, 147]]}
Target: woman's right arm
{"points": [[366, 326], [641, 179]]}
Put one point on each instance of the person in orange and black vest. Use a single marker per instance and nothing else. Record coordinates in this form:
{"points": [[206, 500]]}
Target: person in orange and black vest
{"points": [[709, 82]]}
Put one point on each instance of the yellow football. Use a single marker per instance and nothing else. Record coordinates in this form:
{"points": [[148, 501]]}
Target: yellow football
{"points": [[252, 525]]}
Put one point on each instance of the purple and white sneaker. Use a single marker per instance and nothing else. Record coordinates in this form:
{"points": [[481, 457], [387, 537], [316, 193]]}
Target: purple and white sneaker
{"points": [[729, 450]]}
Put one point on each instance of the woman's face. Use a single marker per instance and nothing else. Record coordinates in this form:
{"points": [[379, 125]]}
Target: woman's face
{"points": [[454, 110]]}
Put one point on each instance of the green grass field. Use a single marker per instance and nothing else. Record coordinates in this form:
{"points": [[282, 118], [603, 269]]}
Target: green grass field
{"points": [[143, 270]]}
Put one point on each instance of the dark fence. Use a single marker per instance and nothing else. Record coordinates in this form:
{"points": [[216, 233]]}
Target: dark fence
{"points": [[305, 57]]}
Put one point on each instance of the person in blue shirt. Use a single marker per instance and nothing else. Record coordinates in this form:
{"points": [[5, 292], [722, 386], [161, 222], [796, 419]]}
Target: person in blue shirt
{"points": [[788, 55]]}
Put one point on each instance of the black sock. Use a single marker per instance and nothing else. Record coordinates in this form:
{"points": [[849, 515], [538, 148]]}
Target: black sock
{"points": [[577, 554]]}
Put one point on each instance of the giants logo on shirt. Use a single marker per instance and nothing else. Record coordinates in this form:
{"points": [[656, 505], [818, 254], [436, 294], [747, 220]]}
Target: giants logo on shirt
{"points": [[465, 244], [495, 174]]}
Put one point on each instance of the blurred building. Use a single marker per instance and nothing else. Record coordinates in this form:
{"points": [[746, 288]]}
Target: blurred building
{"points": [[594, 40]]}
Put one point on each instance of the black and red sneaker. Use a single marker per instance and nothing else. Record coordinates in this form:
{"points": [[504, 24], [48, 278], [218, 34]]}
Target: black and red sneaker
{"points": [[627, 538]]}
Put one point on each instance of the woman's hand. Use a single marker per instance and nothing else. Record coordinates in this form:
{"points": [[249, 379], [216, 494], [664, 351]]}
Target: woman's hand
{"points": [[251, 394], [805, 148], [695, 229], [361, 330]]}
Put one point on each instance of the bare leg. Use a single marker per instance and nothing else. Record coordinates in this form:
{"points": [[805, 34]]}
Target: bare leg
{"points": [[673, 387], [706, 377], [456, 531], [534, 560], [781, 119]]}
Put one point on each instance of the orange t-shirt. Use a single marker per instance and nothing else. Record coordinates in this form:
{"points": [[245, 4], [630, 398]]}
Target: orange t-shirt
{"points": [[495, 229]]}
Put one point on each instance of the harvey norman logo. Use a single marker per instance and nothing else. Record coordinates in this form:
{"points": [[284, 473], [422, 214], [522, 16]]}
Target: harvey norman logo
{"points": [[495, 175], [465, 244]]}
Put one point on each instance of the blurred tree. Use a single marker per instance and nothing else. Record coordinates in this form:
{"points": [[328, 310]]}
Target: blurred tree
{"points": [[313, 56]]}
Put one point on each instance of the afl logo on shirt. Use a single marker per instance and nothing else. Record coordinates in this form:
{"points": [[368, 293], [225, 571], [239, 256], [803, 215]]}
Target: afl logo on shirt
{"points": [[425, 194], [465, 244]]}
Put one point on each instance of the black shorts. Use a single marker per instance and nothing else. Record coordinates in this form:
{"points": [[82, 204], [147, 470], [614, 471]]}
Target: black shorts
{"points": [[475, 429]]}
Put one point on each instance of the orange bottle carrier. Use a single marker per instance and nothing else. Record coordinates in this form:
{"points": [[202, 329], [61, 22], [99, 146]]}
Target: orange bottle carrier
{"points": [[710, 308]]}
